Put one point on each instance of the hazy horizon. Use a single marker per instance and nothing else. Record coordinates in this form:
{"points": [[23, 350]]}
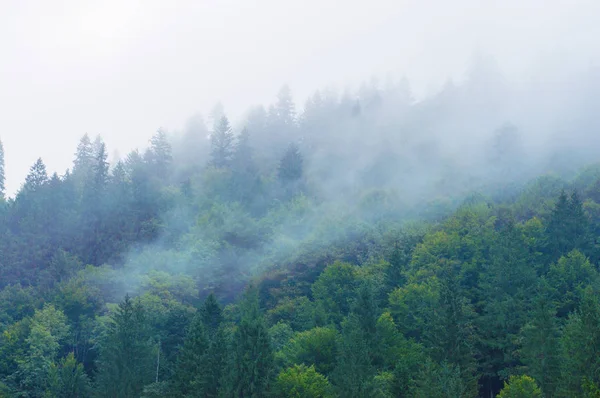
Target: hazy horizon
{"points": [[122, 70]]}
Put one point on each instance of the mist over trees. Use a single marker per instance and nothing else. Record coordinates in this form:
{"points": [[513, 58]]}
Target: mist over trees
{"points": [[363, 245]]}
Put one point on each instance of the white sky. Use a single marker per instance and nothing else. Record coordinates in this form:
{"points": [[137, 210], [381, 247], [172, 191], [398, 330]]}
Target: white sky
{"points": [[123, 68]]}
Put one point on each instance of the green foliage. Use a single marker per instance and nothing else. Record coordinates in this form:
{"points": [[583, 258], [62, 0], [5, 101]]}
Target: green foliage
{"points": [[48, 329], [68, 379], [442, 380], [301, 381], [580, 341], [299, 312], [221, 143], [568, 227], [568, 278], [316, 347], [334, 290], [252, 352], [368, 287], [520, 387], [290, 166], [540, 350], [191, 358], [126, 361]]}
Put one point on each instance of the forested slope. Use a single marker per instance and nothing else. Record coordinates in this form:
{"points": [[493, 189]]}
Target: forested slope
{"points": [[369, 246]]}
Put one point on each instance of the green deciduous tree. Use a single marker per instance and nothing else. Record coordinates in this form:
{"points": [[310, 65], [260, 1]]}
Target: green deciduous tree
{"points": [[520, 387], [300, 381]]}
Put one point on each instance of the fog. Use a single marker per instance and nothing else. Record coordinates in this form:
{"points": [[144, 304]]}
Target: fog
{"points": [[124, 69]]}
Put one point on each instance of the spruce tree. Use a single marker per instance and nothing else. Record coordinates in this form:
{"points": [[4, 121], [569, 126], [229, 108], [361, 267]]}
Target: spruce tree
{"points": [[245, 178], [211, 314], [159, 156], [291, 165], [37, 176], [451, 336], [506, 289], [580, 344], [68, 379], [285, 109], [191, 358], [358, 346], [253, 355], [222, 145], [84, 158], [568, 227], [540, 345], [126, 360]]}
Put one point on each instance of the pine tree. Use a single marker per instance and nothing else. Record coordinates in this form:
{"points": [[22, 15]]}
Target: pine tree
{"points": [[191, 358], [84, 157], [291, 165], [540, 345], [216, 113], [93, 211], [126, 359], [68, 379], [37, 176], [506, 290], [568, 227], [160, 156], [245, 177], [211, 314], [212, 376], [451, 336], [357, 349], [580, 224], [222, 145], [285, 108], [580, 343], [253, 356]]}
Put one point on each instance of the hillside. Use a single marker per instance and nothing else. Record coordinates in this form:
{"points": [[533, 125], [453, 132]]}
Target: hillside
{"points": [[368, 246]]}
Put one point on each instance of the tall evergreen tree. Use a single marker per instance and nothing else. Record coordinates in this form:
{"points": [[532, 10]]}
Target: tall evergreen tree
{"points": [[580, 343], [37, 176], [211, 314], [245, 177], [160, 156], [95, 248], [451, 336], [84, 157], [252, 352], [285, 108], [568, 227], [507, 284], [68, 379], [127, 361], [540, 345], [291, 165], [222, 143], [191, 359], [355, 369]]}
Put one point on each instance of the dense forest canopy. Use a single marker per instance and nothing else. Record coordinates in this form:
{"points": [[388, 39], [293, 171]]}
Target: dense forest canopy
{"points": [[367, 245]]}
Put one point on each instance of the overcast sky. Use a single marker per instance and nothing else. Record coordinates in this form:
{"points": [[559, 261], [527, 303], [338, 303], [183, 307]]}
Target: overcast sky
{"points": [[123, 68]]}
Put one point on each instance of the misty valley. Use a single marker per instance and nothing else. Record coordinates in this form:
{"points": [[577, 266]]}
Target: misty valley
{"points": [[366, 244]]}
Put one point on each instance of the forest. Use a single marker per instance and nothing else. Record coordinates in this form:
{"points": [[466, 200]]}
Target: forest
{"points": [[367, 245]]}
